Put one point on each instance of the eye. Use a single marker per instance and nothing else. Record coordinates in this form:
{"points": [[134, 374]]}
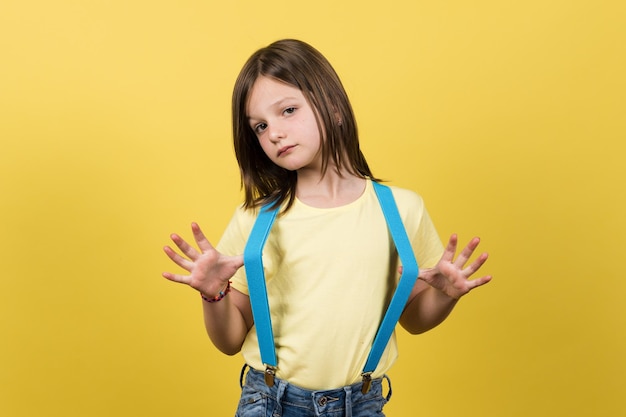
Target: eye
{"points": [[259, 128], [290, 110]]}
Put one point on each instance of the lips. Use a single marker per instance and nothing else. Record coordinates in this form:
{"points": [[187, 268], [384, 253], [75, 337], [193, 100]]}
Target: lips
{"points": [[285, 149]]}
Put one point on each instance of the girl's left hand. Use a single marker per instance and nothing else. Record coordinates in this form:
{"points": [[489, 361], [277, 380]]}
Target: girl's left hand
{"points": [[451, 276]]}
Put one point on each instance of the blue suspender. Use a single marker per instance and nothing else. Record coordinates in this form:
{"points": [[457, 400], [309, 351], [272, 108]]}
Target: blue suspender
{"points": [[253, 263], [410, 271]]}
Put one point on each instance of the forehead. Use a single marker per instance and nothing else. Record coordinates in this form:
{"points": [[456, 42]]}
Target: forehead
{"points": [[267, 93]]}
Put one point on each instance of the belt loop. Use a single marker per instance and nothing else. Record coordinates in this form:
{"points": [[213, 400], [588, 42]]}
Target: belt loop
{"points": [[243, 371], [348, 391], [280, 392], [388, 397]]}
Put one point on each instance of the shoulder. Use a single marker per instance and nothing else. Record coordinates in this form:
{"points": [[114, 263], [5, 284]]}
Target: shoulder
{"points": [[238, 228], [410, 205], [407, 199], [244, 215], [404, 194]]}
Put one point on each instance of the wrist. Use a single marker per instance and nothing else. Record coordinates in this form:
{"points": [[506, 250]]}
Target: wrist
{"points": [[220, 295], [445, 297]]}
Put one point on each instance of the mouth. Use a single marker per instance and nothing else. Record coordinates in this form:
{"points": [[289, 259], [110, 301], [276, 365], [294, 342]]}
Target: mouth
{"points": [[285, 149]]}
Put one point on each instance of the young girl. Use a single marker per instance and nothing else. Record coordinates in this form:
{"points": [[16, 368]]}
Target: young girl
{"points": [[330, 264]]}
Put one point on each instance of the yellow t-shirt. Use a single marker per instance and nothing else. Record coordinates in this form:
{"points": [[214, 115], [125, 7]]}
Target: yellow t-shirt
{"points": [[330, 275]]}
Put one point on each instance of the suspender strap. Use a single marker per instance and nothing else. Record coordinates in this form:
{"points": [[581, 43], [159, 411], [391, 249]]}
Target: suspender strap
{"points": [[253, 264], [410, 271]]}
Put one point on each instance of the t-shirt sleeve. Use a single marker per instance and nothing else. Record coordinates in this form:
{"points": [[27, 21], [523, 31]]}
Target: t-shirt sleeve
{"points": [[424, 238]]}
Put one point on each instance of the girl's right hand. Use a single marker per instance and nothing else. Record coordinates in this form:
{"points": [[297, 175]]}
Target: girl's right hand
{"points": [[209, 270]]}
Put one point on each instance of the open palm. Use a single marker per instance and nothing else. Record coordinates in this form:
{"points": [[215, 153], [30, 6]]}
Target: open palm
{"points": [[451, 276], [209, 270]]}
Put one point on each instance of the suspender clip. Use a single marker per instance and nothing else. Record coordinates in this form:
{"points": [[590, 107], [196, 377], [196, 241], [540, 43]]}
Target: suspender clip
{"points": [[270, 371], [367, 382]]}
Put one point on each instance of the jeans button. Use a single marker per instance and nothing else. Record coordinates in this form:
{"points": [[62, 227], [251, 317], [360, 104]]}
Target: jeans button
{"points": [[322, 401]]}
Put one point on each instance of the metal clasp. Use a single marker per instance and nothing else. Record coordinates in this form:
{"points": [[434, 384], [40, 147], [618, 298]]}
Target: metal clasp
{"points": [[367, 382], [270, 372]]}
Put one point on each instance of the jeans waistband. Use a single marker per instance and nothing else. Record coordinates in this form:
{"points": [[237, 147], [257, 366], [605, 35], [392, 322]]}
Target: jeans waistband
{"points": [[323, 401]]}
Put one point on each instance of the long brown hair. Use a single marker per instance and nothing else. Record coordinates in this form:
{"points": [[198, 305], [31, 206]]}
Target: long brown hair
{"points": [[300, 65]]}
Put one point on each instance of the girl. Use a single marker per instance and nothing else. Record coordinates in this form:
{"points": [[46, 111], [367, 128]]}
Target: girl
{"points": [[330, 265]]}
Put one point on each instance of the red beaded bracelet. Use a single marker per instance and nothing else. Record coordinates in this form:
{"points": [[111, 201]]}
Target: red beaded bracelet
{"points": [[218, 297]]}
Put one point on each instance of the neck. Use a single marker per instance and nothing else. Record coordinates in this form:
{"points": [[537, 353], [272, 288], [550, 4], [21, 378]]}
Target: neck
{"points": [[334, 189]]}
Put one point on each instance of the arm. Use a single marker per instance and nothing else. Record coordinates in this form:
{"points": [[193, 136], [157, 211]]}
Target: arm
{"points": [[227, 321], [438, 289]]}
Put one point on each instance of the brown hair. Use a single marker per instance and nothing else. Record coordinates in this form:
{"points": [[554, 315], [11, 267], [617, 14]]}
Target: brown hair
{"points": [[300, 65]]}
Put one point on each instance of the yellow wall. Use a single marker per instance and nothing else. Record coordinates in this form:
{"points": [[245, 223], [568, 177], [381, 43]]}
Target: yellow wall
{"points": [[508, 117]]}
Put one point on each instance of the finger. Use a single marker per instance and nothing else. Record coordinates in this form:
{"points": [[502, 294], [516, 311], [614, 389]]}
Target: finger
{"points": [[185, 247], [181, 279], [475, 266], [478, 282], [237, 261], [448, 254], [201, 240], [178, 260], [466, 253]]}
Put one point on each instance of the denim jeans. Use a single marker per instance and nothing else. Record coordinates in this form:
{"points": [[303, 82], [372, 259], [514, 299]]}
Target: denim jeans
{"points": [[286, 400]]}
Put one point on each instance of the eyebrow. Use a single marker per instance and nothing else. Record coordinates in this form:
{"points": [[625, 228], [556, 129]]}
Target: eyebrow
{"points": [[277, 103]]}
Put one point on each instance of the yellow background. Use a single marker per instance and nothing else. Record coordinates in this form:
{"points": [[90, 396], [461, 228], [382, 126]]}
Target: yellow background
{"points": [[507, 116]]}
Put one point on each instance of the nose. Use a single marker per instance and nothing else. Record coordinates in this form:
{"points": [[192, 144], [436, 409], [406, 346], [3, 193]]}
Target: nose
{"points": [[276, 132]]}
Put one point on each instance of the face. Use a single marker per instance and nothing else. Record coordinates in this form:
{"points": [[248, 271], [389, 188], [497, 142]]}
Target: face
{"points": [[285, 125]]}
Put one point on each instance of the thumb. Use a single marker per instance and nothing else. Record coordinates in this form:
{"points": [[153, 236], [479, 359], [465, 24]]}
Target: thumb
{"points": [[237, 261]]}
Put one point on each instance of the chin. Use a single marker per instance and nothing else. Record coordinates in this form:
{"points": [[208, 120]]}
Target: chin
{"points": [[290, 167]]}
